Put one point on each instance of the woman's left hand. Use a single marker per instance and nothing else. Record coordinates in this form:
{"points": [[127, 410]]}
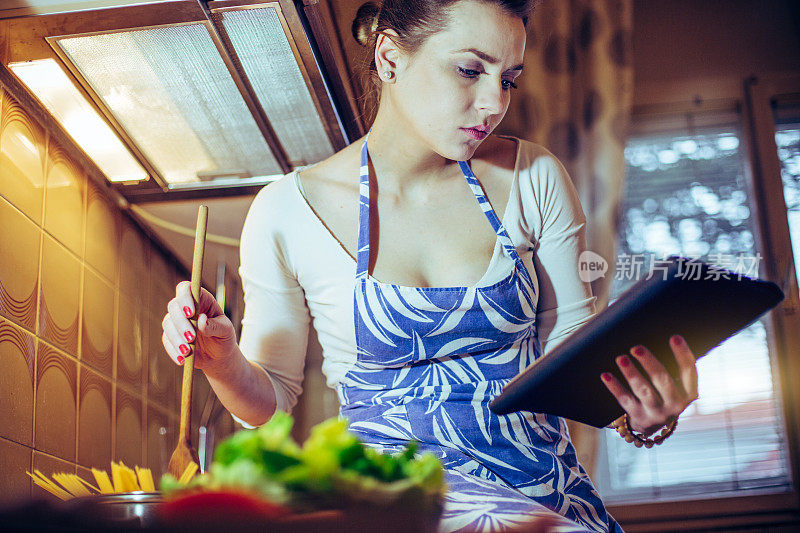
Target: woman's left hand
{"points": [[654, 400]]}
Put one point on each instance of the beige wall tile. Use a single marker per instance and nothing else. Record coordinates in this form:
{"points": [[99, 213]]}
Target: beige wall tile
{"points": [[59, 297], [49, 465], [98, 323], [19, 269], [65, 199], [102, 234], [161, 439], [318, 402], [162, 283], [4, 44], [56, 402], [22, 156], [94, 419], [201, 392], [223, 426], [131, 331], [76, 350], [15, 460], [128, 427], [163, 373], [134, 273], [17, 359], [86, 473]]}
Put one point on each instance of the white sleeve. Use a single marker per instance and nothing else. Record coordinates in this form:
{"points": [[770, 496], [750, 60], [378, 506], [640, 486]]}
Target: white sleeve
{"points": [[276, 318], [558, 227]]}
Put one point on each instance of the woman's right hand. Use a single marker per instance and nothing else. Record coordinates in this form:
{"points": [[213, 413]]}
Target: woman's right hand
{"points": [[213, 343]]}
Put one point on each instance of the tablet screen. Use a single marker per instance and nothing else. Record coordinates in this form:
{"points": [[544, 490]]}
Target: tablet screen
{"points": [[703, 303]]}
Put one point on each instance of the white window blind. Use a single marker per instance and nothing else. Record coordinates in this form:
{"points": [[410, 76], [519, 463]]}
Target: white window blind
{"points": [[686, 194], [787, 139]]}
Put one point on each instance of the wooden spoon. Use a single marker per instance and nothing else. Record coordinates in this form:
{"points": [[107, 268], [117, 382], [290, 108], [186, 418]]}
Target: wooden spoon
{"points": [[184, 453]]}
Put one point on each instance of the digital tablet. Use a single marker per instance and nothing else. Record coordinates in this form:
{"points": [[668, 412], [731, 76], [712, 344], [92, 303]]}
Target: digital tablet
{"points": [[703, 303]]}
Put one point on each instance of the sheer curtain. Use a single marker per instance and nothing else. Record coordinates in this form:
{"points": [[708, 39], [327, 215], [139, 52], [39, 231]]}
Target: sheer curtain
{"points": [[575, 97]]}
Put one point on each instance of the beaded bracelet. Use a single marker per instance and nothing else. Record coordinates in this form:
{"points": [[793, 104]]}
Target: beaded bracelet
{"points": [[623, 427]]}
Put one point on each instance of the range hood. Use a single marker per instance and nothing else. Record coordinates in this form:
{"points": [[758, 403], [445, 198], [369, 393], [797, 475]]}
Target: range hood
{"points": [[199, 98]]}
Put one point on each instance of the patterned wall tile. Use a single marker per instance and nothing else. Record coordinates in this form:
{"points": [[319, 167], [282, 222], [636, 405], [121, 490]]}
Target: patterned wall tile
{"points": [[15, 485], [76, 351], [128, 427], [22, 157], [162, 283], [49, 465], [131, 342], [102, 234], [56, 397], [17, 359], [222, 426], [134, 273], [4, 43], [163, 375], [60, 297], [98, 323], [19, 269], [65, 199], [94, 419], [86, 473], [161, 439], [201, 393]]}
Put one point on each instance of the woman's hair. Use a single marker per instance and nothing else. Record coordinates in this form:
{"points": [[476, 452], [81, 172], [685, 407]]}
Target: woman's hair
{"points": [[414, 21]]}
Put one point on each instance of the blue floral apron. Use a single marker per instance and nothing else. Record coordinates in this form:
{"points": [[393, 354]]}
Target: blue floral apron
{"points": [[429, 360]]}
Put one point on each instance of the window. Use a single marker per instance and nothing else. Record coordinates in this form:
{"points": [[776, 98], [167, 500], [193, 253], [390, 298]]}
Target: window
{"points": [[787, 140], [687, 194]]}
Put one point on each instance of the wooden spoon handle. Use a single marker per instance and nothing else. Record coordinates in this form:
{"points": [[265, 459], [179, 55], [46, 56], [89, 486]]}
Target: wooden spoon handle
{"points": [[188, 364]]}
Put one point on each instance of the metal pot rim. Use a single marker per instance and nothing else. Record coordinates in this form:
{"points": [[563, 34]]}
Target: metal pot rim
{"points": [[126, 497]]}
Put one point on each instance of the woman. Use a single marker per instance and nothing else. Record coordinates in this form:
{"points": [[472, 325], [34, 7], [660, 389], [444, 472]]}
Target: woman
{"points": [[417, 333]]}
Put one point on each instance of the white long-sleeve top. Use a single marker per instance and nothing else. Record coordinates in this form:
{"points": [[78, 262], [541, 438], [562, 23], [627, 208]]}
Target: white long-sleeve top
{"points": [[294, 271]]}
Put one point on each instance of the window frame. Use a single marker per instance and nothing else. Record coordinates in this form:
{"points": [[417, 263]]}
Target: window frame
{"points": [[763, 176]]}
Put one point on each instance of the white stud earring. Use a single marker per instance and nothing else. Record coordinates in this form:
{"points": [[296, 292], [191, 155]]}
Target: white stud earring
{"points": [[388, 74]]}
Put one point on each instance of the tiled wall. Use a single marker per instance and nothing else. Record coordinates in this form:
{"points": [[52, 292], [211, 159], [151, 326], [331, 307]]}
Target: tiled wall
{"points": [[83, 376]]}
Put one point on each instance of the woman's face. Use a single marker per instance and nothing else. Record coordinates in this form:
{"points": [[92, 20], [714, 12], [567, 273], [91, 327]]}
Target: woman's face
{"points": [[460, 78]]}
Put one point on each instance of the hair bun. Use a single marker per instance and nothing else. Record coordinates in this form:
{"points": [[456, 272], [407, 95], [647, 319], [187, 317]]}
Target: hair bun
{"points": [[365, 23]]}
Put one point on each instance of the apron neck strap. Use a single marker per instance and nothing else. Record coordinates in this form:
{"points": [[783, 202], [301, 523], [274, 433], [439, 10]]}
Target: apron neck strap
{"points": [[362, 255]]}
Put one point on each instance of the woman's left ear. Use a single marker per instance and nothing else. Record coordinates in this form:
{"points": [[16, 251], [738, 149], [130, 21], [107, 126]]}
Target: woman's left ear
{"points": [[388, 57]]}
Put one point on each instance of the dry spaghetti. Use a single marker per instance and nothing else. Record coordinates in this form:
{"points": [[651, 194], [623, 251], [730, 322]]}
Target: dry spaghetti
{"points": [[123, 479]]}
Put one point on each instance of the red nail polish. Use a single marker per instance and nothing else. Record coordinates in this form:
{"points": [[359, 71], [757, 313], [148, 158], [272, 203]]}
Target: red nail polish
{"points": [[678, 340], [624, 361], [184, 349], [180, 359], [189, 336], [605, 376], [638, 351], [187, 311]]}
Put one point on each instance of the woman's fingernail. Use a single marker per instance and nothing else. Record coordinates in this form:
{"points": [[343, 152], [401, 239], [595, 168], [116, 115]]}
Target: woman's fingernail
{"points": [[678, 340], [187, 311], [189, 336], [184, 349], [180, 359], [605, 376], [638, 351], [624, 361]]}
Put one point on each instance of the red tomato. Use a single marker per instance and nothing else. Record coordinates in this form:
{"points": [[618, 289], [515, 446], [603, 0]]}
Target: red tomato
{"points": [[220, 506]]}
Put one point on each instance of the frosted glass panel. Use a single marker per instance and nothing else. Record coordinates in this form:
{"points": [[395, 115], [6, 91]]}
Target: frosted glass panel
{"points": [[169, 89], [268, 61], [50, 84]]}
